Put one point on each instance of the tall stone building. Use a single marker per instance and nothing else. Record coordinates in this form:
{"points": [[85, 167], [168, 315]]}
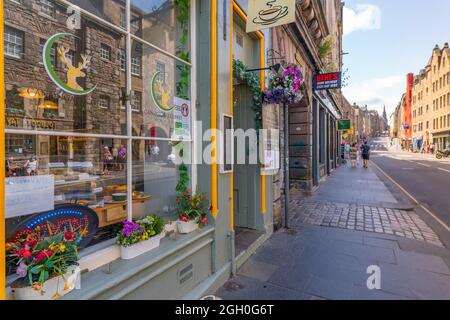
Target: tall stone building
{"points": [[431, 102]]}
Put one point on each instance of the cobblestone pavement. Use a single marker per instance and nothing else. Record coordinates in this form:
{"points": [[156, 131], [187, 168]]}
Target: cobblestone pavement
{"points": [[363, 218]]}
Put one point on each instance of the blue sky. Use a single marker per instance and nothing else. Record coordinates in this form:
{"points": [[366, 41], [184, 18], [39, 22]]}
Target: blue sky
{"points": [[387, 39]]}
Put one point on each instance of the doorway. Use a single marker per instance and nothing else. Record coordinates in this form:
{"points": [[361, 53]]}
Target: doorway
{"points": [[246, 176]]}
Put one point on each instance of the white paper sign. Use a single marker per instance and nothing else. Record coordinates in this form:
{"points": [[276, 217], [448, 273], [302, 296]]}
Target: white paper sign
{"points": [[29, 195], [264, 14], [182, 118]]}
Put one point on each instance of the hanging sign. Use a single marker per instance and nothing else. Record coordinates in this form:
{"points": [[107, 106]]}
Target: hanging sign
{"points": [[327, 81], [344, 125], [263, 14], [182, 118]]}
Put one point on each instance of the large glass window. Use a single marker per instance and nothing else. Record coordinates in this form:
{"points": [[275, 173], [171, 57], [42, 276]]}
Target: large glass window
{"points": [[67, 101]]}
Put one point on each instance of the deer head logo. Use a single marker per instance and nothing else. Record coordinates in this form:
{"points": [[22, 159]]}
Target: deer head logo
{"points": [[72, 72], [163, 93]]}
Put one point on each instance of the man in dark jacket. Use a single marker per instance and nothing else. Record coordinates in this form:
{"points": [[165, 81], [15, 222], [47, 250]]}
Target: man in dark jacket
{"points": [[365, 151]]}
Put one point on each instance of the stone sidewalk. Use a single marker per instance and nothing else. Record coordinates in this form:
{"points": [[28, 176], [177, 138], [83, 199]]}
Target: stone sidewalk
{"points": [[352, 222]]}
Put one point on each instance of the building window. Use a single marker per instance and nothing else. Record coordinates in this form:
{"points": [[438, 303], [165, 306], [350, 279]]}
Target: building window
{"points": [[47, 8], [105, 52], [135, 25], [122, 59], [52, 53], [123, 19], [136, 61], [103, 102], [13, 42], [136, 102]]}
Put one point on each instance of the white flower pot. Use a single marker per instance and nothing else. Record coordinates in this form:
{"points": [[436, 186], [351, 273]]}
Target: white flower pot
{"points": [[52, 289], [187, 227], [171, 227], [131, 252]]}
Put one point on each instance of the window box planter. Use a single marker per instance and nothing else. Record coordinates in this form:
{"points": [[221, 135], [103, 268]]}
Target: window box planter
{"points": [[187, 227], [52, 289], [169, 229], [131, 252]]}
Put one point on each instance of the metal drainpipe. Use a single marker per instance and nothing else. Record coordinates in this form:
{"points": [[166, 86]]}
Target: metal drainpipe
{"points": [[232, 236]]}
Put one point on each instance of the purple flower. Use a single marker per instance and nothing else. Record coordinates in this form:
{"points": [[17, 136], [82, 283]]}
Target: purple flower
{"points": [[128, 228], [22, 270]]}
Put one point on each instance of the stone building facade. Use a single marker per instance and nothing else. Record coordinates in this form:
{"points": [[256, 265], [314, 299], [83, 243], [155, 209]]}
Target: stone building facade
{"points": [[431, 102]]}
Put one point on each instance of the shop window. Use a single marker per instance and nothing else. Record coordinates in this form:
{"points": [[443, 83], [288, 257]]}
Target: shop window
{"points": [[155, 174], [160, 24], [14, 42], [52, 171], [47, 7], [90, 172], [105, 52]]}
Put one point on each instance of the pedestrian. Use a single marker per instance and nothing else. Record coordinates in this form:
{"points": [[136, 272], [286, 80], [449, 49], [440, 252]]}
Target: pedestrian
{"points": [[432, 148], [353, 154], [107, 159], [365, 151], [122, 157], [347, 151], [31, 166]]}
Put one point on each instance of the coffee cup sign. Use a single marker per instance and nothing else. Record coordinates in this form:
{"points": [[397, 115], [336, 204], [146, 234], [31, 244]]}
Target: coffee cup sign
{"points": [[263, 14]]}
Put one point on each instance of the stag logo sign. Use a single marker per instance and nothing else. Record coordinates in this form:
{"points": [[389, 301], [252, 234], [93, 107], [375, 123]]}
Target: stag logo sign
{"points": [[265, 14], [74, 74], [161, 93]]}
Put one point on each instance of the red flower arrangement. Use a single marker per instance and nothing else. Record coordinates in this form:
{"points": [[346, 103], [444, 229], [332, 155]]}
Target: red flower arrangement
{"points": [[39, 259], [191, 207]]}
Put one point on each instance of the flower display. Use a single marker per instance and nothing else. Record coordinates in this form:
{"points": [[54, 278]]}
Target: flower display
{"points": [[191, 207], [284, 88], [39, 259], [142, 230]]}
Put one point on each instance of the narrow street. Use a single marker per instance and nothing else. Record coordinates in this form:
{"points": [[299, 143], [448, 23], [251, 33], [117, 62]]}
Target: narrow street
{"points": [[357, 218]]}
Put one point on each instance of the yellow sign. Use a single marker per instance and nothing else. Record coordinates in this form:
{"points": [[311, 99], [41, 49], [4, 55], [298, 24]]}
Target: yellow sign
{"points": [[351, 131], [264, 14]]}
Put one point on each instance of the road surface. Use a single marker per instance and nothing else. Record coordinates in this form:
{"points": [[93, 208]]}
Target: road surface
{"points": [[423, 176]]}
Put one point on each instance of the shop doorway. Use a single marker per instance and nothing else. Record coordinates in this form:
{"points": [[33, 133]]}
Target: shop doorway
{"points": [[246, 176]]}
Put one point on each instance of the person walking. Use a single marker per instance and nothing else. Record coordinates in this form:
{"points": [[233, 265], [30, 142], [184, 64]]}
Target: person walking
{"points": [[365, 150], [353, 154], [107, 159], [122, 157]]}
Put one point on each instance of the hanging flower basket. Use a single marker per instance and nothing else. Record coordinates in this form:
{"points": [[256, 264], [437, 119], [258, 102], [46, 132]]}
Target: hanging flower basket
{"points": [[285, 87]]}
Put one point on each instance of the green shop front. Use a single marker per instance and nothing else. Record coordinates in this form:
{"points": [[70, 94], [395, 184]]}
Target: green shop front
{"points": [[104, 99]]}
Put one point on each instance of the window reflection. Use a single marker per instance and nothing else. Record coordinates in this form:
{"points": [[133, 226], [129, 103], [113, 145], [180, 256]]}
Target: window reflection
{"points": [[155, 175]]}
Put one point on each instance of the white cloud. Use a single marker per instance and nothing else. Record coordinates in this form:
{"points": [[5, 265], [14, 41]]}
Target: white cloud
{"points": [[377, 92], [365, 17]]}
